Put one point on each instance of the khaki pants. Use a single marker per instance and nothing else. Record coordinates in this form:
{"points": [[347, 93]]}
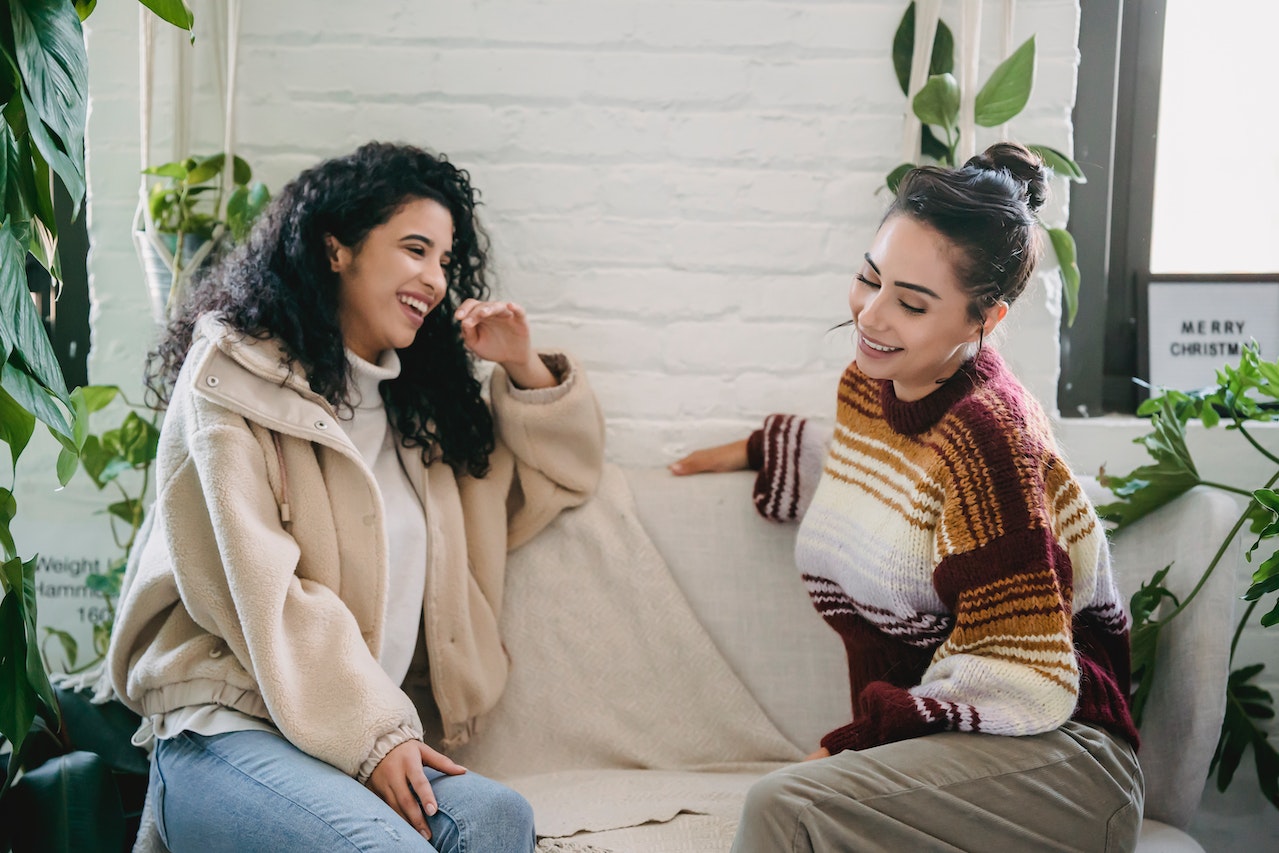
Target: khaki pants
{"points": [[1076, 788]]}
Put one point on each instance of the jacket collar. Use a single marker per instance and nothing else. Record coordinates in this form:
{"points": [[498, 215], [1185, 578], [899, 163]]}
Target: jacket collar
{"points": [[251, 376]]}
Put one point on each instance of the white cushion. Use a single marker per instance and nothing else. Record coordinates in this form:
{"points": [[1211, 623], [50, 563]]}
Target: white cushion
{"points": [[1159, 837]]}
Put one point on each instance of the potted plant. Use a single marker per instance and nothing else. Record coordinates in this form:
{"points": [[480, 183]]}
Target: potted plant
{"points": [[43, 89], [187, 209], [1244, 395]]}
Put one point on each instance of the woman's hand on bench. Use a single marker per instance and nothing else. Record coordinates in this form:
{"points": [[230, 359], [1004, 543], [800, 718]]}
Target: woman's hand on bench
{"points": [[724, 457]]}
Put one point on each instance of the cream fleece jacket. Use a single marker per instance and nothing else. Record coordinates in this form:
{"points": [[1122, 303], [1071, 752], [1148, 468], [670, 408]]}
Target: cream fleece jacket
{"points": [[258, 581]]}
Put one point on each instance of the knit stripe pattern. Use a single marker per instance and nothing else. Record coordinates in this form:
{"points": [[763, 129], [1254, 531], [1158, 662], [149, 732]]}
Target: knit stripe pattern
{"points": [[959, 560]]}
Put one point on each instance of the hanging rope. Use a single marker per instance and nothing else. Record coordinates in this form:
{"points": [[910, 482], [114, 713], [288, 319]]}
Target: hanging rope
{"points": [[145, 235], [969, 60], [1010, 14], [927, 13]]}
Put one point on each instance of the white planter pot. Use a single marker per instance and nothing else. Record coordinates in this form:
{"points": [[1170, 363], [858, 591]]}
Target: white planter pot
{"points": [[159, 277]]}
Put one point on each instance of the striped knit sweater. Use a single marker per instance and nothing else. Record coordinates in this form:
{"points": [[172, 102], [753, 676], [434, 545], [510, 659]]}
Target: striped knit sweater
{"points": [[948, 544]]}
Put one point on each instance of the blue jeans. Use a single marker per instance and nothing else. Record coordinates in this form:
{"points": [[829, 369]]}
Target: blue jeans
{"points": [[254, 790]]}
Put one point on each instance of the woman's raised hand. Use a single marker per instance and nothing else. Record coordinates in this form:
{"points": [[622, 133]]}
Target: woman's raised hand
{"points": [[724, 457], [400, 781], [498, 331]]}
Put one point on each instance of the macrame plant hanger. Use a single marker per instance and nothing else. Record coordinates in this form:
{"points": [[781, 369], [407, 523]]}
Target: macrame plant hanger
{"points": [[927, 14], [147, 240]]}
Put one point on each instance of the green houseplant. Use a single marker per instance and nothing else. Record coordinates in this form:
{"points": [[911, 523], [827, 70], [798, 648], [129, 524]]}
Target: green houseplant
{"points": [[1237, 402], [43, 89], [118, 459], [199, 201], [1002, 97]]}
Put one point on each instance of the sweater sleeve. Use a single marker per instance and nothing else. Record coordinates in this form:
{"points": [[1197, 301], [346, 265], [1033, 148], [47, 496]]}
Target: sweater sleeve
{"points": [[788, 452], [1008, 665]]}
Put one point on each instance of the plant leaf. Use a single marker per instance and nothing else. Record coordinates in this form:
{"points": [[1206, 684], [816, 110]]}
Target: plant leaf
{"points": [[22, 330], [16, 426], [1064, 248], [1149, 487], [173, 11], [1008, 89], [49, 43], [942, 60], [938, 102], [70, 648], [22, 673], [244, 206], [8, 509], [206, 169], [31, 396], [19, 707], [176, 171], [84, 8], [931, 146], [241, 172], [1060, 163], [894, 178]]}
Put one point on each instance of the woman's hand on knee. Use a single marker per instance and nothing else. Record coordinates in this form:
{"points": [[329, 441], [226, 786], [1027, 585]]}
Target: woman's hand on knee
{"points": [[400, 781], [724, 457]]}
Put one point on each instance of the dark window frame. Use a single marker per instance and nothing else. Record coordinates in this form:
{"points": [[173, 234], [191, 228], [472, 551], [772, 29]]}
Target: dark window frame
{"points": [[1116, 120]]}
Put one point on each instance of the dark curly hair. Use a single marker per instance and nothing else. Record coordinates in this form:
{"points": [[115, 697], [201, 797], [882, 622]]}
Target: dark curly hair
{"points": [[279, 284]]}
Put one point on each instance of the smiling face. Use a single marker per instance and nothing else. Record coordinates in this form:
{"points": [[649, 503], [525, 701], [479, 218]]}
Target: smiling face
{"points": [[393, 279], [912, 317]]}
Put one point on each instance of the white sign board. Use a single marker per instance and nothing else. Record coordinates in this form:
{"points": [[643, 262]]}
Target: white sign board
{"points": [[1196, 327]]}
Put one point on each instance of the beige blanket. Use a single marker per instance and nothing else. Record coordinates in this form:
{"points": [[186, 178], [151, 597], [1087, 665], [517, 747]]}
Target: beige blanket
{"points": [[621, 718]]}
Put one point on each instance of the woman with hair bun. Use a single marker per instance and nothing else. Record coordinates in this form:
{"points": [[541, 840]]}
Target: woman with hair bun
{"points": [[335, 500], [945, 540]]}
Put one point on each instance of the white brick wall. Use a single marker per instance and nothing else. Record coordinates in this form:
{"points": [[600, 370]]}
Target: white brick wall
{"points": [[678, 192]]}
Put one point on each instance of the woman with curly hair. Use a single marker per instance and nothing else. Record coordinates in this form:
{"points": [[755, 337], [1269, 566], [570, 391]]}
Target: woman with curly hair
{"points": [[333, 495]]}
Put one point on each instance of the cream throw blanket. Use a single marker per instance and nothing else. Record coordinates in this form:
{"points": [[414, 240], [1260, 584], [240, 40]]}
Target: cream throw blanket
{"points": [[621, 719]]}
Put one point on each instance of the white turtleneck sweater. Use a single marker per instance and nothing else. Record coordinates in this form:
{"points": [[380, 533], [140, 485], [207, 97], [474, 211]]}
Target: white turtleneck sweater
{"points": [[367, 427]]}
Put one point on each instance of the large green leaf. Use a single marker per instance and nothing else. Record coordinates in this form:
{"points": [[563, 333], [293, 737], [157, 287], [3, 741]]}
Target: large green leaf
{"points": [[938, 102], [1246, 703], [175, 12], [84, 8], [55, 73], [1008, 89], [19, 186], [1060, 163], [21, 329], [8, 509], [22, 675], [70, 802], [1149, 487], [1144, 637], [34, 398], [1068, 265], [17, 698], [16, 426], [942, 60]]}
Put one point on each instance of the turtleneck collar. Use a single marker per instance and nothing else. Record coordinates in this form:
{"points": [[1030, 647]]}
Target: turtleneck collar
{"points": [[366, 377], [917, 416]]}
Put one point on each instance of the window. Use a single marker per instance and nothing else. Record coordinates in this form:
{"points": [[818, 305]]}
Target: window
{"points": [[1183, 177]]}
